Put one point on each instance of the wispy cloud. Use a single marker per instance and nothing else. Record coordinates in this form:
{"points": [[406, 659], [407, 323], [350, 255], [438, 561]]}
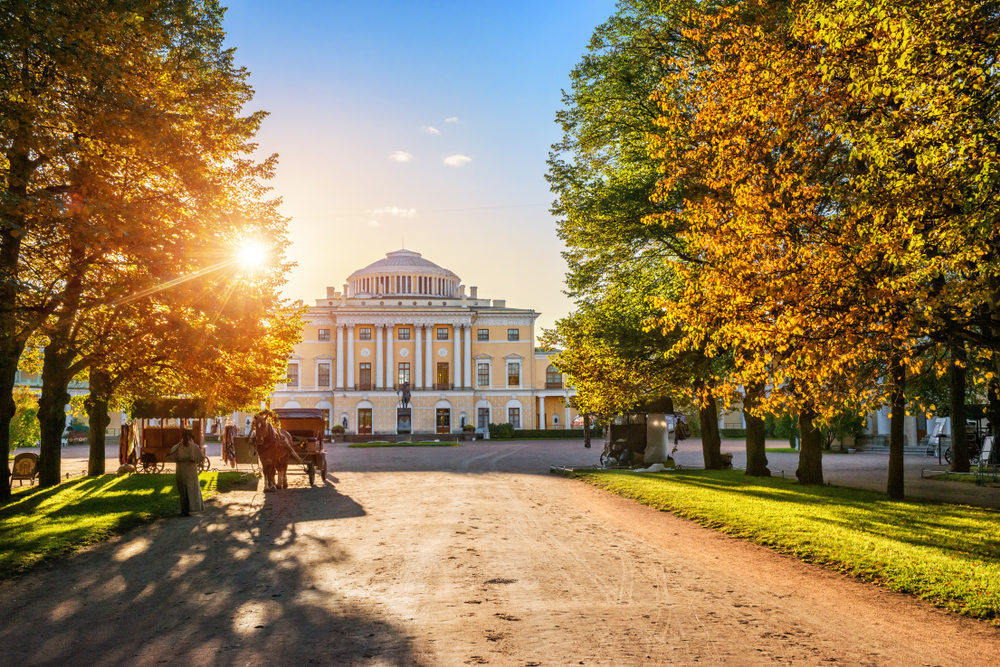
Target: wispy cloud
{"points": [[373, 223], [394, 210], [456, 160], [453, 119], [430, 130], [400, 156]]}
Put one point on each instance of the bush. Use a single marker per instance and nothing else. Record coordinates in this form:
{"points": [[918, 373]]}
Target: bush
{"points": [[556, 434], [733, 433], [501, 431], [337, 429], [469, 428]]}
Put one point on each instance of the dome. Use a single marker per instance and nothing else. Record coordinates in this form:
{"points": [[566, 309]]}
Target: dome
{"points": [[404, 272], [403, 261]]}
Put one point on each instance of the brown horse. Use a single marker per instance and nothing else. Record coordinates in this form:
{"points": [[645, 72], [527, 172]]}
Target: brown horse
{"points": [[273, 447]]}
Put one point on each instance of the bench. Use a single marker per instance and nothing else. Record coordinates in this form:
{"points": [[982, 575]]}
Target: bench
{"points": [[25, 468]]}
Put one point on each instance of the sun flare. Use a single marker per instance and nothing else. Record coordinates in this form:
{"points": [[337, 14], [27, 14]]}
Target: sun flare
{"points": [[252, 255]]}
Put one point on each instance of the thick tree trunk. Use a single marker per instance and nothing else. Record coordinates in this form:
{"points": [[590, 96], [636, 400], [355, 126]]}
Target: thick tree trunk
{"points": [[711, 444], [19, 171], [756, 445], [959, 444], [52, 411], [810, 450], [896, 479], [97, 413], [586, 431]]}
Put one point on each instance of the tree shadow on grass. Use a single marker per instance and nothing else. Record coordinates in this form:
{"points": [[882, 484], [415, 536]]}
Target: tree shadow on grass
{"points": [[254, 582], [967, 532]]}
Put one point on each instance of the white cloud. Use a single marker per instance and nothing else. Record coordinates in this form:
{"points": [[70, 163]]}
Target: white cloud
{"points": [[430, 130], [400, 156], [453, 119], [456, 160], [394, 210], [373, 223]]}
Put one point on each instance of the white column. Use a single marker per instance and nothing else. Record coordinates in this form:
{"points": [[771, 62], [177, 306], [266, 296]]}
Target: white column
{"points": [[418, 376], [566, 423], [468, 357], [541, 412], [458, 356], [390, 361], [350, 357], [340, 357], [378, 357], [430, 357]]}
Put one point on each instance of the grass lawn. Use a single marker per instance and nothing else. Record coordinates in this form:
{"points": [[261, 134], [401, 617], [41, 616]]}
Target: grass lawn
{"points": [[39, 524], [946, 554], [367, 445], [951, 477]]}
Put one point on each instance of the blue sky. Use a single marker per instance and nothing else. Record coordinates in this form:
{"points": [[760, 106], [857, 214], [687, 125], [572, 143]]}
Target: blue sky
{"points": [[351, 84]]}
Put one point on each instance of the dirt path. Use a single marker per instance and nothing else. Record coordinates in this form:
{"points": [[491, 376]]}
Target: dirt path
{"points": [[454, 556]]}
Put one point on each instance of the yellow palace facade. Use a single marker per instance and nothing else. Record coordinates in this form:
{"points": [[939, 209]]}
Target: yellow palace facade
{"points": [[468, 360]]}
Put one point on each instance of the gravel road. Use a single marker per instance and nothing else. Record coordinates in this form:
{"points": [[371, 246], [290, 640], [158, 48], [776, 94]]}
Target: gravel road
{"points": [[458, 556]]}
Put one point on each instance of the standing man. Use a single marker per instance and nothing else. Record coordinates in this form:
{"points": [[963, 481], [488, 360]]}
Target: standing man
{"points": [[187, 454]]}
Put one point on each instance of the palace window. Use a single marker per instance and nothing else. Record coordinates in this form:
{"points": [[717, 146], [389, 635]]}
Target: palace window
{"points": [[513, 374], [442, 375], [324, 334], [514, 417], [483, 375], [364, 333], [365, 375], [404, 333], [553, 378], [323, 376], [513, 334], [404, 373], [484, 417], [293, 376], [442, 334], [483, 334]]}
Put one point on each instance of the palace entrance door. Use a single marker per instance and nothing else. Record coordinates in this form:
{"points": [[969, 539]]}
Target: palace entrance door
{"points": [[364, 421], [443, 420]]}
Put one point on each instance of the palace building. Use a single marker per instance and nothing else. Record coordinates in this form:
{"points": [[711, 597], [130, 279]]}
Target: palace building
{"points": [[401, 320]]}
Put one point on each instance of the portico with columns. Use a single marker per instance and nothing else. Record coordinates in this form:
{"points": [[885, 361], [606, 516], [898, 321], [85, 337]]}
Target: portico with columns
{"points": [[403, 319]]}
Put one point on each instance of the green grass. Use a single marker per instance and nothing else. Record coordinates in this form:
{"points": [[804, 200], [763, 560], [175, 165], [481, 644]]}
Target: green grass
{"points": [[367, 445], [946, 554], [40, 524], [946, 476]]}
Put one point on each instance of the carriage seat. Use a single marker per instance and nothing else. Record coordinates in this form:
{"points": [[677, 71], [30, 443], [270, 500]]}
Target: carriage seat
{"points": [[25, 468]]}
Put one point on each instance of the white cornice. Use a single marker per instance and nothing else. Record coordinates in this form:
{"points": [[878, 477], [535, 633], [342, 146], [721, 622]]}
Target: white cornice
{"points": [[383, 319], [506, 319]]}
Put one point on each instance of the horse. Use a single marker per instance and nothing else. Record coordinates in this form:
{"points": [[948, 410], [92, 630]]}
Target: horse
{"points": [[273, 447]]}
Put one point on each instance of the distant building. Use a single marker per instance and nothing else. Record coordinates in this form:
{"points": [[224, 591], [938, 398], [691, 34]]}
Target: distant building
{"points": [[404, 319]]}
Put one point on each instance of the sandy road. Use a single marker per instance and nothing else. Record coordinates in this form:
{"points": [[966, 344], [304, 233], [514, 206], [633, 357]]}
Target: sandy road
{"points": [[454, 556]]}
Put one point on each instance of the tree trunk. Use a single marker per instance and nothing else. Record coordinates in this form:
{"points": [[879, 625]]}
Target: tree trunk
{"points": [[756, 445], [959, 443], [586, 431], [810, 449], [711, 444], [19, 171], [56, 377], [896, 477], [97, 413]]}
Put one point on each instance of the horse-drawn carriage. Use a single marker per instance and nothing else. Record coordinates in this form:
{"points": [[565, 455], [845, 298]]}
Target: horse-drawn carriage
{"points": [[279, 435], [308, 430], [157, 428]]}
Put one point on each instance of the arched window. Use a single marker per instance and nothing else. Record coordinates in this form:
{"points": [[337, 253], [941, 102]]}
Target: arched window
{"points": [[553, 378]]}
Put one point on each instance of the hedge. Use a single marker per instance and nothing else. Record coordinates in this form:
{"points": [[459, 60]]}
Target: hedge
{"points": [[733, 433], [556, 434]]}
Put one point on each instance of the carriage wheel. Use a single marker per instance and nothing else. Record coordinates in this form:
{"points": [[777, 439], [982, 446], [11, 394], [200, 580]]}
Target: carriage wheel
{"points": [[947, 455], [148, 464], [205, 464], [311, 471]]}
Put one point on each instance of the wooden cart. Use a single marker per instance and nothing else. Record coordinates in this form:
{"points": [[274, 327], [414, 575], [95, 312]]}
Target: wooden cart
{"points": [[308, 430], [160, 423]]}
